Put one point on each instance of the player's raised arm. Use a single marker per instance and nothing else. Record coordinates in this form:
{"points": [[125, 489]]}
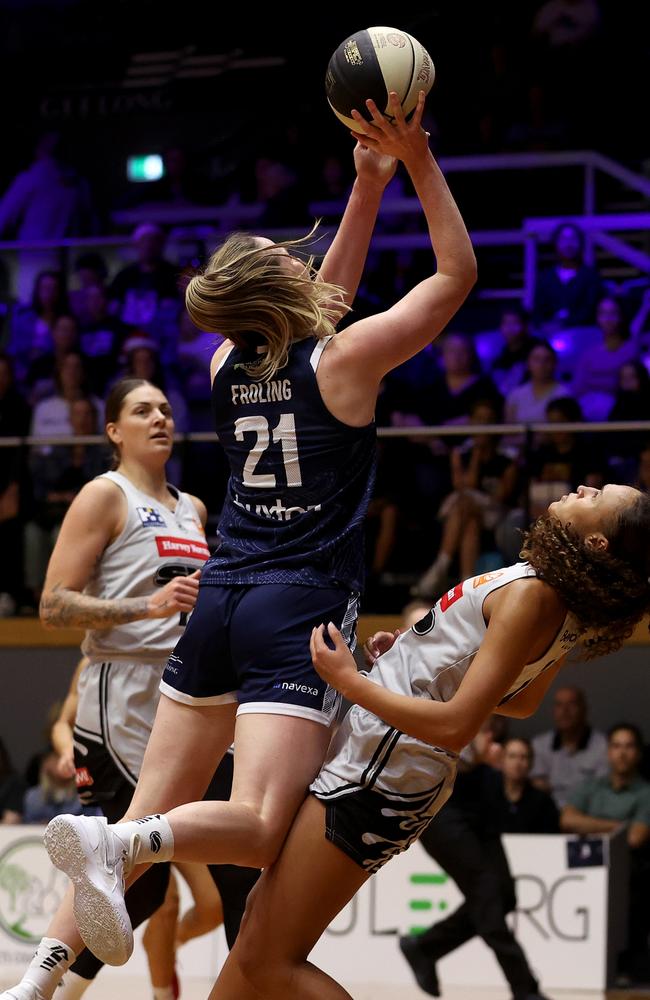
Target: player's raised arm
{"points": [[375, 345]]}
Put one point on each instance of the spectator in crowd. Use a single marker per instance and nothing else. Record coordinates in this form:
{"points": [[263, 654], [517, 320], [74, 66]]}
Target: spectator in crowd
{"points": [[566, 293], [462, 383], [58, 474], [90, 272], [31, 326], [570, 752], [40, 381], [14, 422], [52, 796], [194, 348], [562, 463], [519, 806], [633, 393], [100, 337], [484, 481], [405, 397], [142, 360], [49, 200], [12, 790], [632, 403], [527, 403], [51, 415], [604, 804], [140, 292], [510, 367], [617, 797], [598, 368]]}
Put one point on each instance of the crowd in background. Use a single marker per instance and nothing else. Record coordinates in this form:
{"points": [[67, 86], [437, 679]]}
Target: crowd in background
{"points": [[444, 506]]}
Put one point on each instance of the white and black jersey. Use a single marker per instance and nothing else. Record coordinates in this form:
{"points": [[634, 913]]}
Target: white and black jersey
{"points": [[119, 690], [398, 781]]}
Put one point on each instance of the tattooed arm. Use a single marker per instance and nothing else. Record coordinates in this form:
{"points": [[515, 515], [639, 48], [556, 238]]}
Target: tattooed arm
{"points": [[95, 517]]}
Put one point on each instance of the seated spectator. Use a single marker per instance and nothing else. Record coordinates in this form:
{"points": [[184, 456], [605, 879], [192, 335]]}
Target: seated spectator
{"points": [[31, 326], [562, 463], [195, 348], [632, 402], [566, 293], [39, 380], [510, 367], [53, 795], [142, 360], [100, 336], [484, 481], [633, 393], [558, 465], [570, 752], [90, 271], [519, 806], [58, 474], [461, 384], [527, 403], [620, 797], [604, 804], [143, 293], [597, 371], [14, 422], [51, 415], [12, 790]]}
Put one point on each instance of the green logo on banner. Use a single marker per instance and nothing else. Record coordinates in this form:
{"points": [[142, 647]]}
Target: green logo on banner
{"points": [[31, 890], [427, 905]]}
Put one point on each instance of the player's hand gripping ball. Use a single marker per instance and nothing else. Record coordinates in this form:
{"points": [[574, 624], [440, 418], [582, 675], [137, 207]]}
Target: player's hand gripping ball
{"points": [[370, 64]]}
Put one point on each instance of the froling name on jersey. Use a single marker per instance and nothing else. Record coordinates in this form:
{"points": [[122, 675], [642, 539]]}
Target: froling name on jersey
{"points": [[261, 392]]}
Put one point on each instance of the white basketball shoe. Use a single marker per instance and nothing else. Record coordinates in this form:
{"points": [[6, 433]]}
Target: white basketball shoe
{"points": [[24, 991], [94, 858]]}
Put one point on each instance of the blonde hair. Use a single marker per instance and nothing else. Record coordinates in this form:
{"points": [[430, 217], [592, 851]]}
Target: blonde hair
{"points": [[245, 294]]}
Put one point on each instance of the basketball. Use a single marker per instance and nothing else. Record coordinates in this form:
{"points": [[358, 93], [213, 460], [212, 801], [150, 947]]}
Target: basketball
{"points": [[371, 63]]}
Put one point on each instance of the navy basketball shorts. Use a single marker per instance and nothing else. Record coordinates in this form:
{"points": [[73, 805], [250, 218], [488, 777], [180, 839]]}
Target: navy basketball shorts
{"points": [[250, 645]]}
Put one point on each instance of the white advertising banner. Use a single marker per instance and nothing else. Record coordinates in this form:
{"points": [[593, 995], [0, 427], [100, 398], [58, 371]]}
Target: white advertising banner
{"points": [[561, 920]]}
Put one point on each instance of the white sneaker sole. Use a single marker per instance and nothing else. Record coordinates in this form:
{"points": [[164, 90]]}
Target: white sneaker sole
{"points": [[102, 920]]}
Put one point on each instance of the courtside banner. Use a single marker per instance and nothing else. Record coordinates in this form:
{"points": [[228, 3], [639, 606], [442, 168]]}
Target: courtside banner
{"points": [[566, 901]]}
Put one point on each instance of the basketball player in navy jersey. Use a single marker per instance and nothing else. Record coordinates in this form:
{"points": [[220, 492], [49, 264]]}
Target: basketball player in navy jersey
{"points": [[294, 407]]}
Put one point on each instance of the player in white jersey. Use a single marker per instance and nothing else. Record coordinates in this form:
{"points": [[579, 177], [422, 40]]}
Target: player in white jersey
{"points": [[492, 644], [125, 567]]}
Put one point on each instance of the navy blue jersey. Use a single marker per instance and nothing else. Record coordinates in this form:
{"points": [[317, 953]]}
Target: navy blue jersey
{"points": [[300, 480]]}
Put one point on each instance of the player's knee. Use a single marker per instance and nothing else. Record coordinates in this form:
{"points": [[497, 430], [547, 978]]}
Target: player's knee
{"points": [[265, 971], [263, 842]]}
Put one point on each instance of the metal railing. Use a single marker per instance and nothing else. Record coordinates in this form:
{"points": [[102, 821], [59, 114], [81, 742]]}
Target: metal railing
{"points": [[202, 225]]}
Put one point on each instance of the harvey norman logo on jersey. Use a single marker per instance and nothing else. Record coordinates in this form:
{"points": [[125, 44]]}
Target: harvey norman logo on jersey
{"points": [[168, 545]]}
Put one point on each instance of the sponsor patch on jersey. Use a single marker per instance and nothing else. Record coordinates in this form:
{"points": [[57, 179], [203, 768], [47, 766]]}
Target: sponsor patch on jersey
{"points": [[168, 545], [83, 778], [487, 578], [451, 597], [150, 517]]}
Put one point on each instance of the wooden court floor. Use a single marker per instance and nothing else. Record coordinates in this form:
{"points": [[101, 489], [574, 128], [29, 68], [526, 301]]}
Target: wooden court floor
{"points": [[108, 987]]}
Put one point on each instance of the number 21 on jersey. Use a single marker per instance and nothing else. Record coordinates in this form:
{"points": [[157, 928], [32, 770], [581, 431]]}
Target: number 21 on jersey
{"points": [[285, 434]]}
